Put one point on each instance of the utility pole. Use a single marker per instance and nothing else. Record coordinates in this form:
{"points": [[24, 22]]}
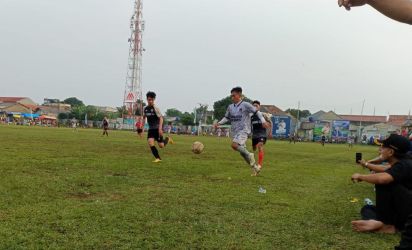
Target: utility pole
{"points": [[360, 124], [298, 119]]}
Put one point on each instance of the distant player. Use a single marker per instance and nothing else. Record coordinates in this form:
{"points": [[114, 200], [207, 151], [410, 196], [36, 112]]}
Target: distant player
{"points": [[323, 140], [351, 140], [155, 120], [239, 115], [105, 127], [139, 126], [259, 134]]}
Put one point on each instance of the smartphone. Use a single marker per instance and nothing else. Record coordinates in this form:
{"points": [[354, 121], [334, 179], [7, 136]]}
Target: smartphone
{"points": [[358, 157]]}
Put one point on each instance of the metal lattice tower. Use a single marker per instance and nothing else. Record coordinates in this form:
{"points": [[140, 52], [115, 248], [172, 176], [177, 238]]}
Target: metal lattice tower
{"points": [[133, 97]]}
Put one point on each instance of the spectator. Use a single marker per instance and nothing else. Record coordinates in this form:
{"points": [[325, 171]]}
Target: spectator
{"points": [[393, 190]]}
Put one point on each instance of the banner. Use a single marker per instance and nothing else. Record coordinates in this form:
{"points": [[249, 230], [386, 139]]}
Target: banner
{"points": [[321, 128], [281, 126], [340, 130]]}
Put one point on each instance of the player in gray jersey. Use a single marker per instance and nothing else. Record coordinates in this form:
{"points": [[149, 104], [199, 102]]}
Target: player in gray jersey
{"points": [[239, 115]]}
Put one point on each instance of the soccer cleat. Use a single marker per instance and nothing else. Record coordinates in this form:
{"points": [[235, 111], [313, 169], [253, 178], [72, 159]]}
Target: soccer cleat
{"points": [[171, 140], [157, 161], [256, 170], [252, 160]]}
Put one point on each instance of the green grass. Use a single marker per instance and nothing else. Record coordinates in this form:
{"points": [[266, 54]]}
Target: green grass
{"points": [[61, 189]]}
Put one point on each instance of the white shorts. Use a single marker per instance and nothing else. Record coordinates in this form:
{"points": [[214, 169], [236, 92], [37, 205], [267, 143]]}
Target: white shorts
{"points": [[240, 138]]}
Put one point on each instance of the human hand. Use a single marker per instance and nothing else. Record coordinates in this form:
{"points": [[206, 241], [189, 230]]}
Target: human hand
{"points": [[356, 178], [363, 163], [348, 4]]}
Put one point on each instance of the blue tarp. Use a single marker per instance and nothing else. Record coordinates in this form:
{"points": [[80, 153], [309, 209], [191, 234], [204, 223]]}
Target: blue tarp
{"points": [[30, 115]]}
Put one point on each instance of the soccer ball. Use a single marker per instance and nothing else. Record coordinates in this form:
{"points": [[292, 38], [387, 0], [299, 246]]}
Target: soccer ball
{"points": [[197, 147]]}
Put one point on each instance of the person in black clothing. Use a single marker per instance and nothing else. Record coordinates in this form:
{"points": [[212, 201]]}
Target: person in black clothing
{"points": [[259, 134], [393, 190], [406, 238], [105, 127], [323, 140], [155, 120]]}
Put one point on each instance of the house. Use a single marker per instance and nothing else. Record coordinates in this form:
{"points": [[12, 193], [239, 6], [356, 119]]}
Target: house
{"points": [[54, 109], [272, 109], [380, 130], [7, 101], [364, 120], [322, 116], [106, 109], [398, 120], [18, 108]]}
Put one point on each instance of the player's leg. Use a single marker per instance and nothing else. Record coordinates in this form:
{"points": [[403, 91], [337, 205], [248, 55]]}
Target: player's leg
{"points": [[239, 144], [261, 151], [254, 143], [151, 142]]}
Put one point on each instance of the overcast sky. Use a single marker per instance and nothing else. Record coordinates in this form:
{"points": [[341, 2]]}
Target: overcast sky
{"points": [[279, 51]]}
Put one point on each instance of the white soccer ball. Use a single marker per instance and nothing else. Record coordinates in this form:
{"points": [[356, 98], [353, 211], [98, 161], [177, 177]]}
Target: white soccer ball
{"points": [[197, 147]]}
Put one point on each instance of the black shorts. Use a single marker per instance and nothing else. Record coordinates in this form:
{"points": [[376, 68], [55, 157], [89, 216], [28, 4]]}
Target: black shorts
{"points": [[154, 134], [256, 141], [139, 130]]}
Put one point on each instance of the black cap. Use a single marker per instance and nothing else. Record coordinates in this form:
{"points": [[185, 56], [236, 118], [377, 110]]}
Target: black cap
{"points": [[398, 143]]}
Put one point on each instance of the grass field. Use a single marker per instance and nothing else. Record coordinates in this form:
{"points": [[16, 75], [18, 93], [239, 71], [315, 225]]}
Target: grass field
{"points": [[61, 189]]}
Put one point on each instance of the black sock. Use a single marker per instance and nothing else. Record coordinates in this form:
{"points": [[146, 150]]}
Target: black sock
{"points": [[166, 141], [155, 152]]}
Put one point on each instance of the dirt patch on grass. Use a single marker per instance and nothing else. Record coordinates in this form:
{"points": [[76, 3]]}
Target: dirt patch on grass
{"points": [[3, 216], [81, 196], [87, 196], [118, 174], [116, 197]]}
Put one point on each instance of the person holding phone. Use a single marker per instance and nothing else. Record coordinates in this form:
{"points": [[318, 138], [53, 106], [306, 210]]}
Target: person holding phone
{"points": [[393, 190], [376, 165]]}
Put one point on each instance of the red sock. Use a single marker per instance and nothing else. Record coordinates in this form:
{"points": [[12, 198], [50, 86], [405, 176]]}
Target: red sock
{"points": [[261, 154]]}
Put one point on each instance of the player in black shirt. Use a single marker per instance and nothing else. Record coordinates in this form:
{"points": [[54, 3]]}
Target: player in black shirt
{"points": [[105, 126], [393, 190], [155, 120], [259, 134]]}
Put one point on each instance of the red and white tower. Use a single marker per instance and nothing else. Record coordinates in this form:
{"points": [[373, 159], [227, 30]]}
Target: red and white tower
{"points": [[133, 97]]}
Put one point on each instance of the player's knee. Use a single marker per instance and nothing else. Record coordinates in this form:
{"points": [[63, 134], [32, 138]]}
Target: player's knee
{"points": [[234, 146], [161, 145]]}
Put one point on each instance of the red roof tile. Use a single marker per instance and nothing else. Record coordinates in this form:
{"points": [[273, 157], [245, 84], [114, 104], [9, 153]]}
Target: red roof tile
{"points": [[11, 99], [29, 106]]}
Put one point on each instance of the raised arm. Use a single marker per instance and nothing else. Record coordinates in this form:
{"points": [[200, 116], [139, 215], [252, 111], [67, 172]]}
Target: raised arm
{"points": [[399, 10]]}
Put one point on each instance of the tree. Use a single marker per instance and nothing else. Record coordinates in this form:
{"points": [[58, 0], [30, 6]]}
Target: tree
{"points": [[63, 116], [302, 113], [187, 119], [78, 112], [220, 106], [74, 102], [173, 113], [122, 110]]}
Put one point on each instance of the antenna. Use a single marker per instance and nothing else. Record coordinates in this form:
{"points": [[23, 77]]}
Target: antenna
{"points": [[133, 96]]}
